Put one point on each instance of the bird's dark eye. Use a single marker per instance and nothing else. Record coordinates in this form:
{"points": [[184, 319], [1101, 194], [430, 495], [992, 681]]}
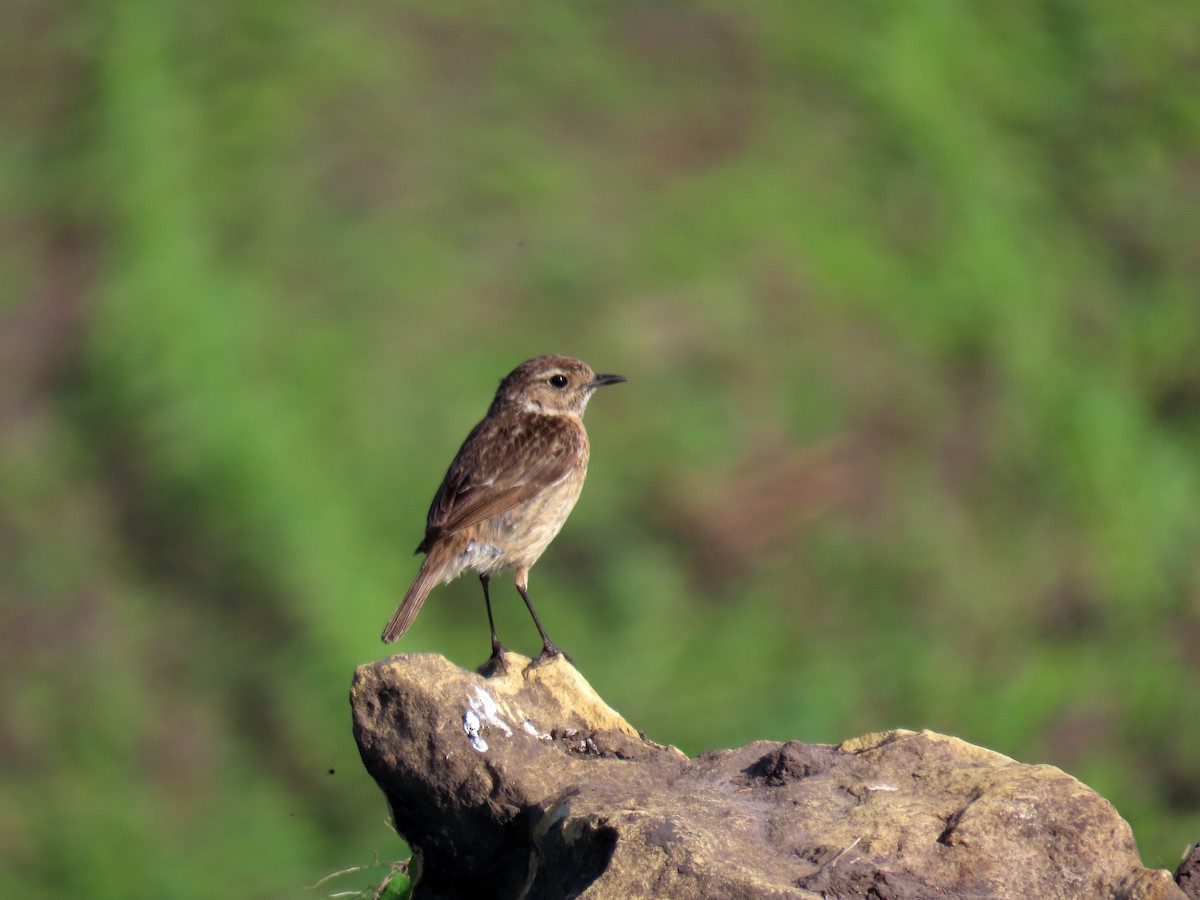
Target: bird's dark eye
{"points": [[558, 381]]}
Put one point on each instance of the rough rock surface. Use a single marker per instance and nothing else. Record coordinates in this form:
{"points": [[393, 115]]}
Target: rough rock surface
{"points": [[527, 785], [1187, 875]]}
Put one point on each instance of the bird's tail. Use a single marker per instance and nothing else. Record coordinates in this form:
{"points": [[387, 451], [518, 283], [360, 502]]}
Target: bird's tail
{"points": [[427, 578]]}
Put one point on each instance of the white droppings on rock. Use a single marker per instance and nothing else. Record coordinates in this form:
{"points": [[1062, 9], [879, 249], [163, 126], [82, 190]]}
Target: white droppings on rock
{"points": [[484, 704], [471, 726]]}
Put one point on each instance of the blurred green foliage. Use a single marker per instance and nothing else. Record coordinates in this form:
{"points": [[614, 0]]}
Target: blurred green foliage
{"points": [[907, 298]]}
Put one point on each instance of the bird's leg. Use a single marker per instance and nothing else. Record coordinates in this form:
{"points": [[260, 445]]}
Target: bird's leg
{"points": [[497, 647], [548, 648]]}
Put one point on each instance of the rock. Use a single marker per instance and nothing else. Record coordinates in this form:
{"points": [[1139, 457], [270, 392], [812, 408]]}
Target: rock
{"points": [[527, 785], [1187, 875]]}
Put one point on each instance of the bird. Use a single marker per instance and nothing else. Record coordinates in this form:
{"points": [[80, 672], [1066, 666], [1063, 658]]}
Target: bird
{"points": [[510, 488]]}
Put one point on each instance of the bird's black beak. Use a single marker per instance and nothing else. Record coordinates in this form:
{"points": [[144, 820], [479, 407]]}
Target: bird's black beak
{"points": [[601, 380]]}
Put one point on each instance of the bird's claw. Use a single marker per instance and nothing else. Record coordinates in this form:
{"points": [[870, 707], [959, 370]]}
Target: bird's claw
{"points": [[549, 652]]}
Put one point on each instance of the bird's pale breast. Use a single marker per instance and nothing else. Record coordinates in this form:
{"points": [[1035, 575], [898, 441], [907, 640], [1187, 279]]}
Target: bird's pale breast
{"points": [[517, 537]]}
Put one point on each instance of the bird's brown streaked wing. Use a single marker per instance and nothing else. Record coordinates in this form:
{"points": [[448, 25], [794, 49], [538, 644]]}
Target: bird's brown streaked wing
{"points": [[500, 465]]}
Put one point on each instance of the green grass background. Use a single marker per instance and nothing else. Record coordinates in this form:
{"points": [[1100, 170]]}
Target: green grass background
{"points": [[907, 296]]}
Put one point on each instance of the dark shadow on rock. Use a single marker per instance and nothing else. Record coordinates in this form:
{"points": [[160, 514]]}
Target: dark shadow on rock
{"points": [[1187, 875]]}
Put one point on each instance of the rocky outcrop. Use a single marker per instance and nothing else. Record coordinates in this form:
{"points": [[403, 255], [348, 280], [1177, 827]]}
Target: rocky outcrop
{"points": [[525, 784]]}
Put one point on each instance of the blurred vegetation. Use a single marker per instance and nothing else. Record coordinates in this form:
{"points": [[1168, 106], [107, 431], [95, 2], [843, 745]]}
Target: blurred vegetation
{"points": [[906, 295]]}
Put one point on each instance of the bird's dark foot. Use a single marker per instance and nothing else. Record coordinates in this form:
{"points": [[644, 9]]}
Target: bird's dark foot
{"points": [[549, 652], [495, 664]]}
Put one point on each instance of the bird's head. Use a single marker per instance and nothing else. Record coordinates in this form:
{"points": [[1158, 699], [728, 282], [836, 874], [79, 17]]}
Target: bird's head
{"points": [[552, 385]]}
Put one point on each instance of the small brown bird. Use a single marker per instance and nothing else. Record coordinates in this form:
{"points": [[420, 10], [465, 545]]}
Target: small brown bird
{"points": [[510, 488]]}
